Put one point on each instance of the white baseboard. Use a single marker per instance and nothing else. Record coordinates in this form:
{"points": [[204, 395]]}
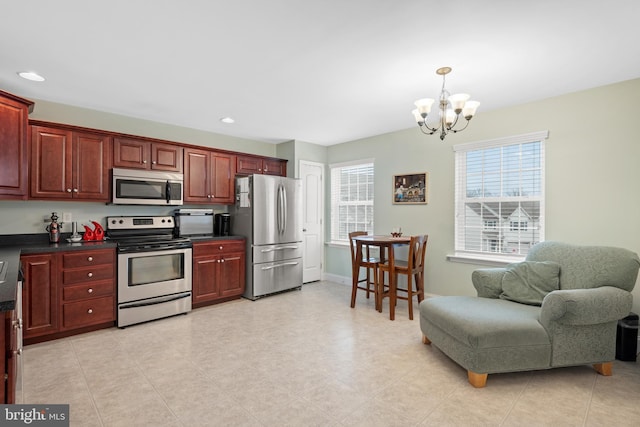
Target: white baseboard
{"points": [[343, 280]]}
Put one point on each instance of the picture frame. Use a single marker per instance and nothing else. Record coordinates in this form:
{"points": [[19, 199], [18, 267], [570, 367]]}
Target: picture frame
{"points": [[411, 189]]}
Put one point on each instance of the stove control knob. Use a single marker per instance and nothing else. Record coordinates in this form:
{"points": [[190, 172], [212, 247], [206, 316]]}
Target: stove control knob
{"points": [[121, 221]]}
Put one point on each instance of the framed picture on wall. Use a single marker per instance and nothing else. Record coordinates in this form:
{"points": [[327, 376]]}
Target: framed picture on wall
{"points": [[411, 189]]}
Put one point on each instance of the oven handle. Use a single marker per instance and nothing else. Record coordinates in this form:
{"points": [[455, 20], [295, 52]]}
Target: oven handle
{"points": [[156, 301], [168, 191]]}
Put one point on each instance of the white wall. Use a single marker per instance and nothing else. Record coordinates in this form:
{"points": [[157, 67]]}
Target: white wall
{"points": [[592, 177]]}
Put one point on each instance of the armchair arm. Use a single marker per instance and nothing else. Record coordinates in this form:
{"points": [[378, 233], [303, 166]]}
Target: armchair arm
{"points": [[585, 306], [488, 281]]}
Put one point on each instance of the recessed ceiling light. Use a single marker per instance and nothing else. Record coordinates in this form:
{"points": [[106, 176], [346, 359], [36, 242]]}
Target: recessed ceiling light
{"points": [[30, 75], [227, 120]]}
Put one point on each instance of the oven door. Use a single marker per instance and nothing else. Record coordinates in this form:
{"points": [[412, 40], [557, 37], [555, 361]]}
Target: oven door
{"points": [[152, 274]]}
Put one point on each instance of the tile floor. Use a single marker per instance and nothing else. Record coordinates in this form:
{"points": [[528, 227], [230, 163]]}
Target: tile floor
{"points": [[305, 358]]}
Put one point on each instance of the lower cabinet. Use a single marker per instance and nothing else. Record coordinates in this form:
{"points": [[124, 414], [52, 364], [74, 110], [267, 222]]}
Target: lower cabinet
{"points": [[40, 295], [68, 291], [218, 271]]}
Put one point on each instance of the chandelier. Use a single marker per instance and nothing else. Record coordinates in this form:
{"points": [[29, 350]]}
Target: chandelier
{"points": [[451, 107]]}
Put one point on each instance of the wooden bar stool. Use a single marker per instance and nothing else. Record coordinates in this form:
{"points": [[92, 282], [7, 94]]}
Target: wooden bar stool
{"points": [[413, 267], [370, 264]]}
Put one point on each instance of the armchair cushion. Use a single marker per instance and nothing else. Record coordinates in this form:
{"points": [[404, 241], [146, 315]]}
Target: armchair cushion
{"points": [[488, 281], [529, 282]]}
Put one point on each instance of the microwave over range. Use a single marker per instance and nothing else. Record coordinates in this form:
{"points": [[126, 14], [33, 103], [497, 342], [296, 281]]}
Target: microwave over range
{"points": [[137, 187]]}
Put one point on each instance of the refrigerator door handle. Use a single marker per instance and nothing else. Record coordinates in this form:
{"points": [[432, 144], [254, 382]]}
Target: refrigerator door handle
{"points": [[278, 209], [284, 209], [284, 264], [279, 248]]}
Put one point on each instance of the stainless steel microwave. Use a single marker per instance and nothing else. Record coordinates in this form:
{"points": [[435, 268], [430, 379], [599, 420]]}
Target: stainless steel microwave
{"points": [[138, 187]]}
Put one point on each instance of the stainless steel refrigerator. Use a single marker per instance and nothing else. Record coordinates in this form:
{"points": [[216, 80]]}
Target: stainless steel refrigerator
{"points": [[268, 212]]}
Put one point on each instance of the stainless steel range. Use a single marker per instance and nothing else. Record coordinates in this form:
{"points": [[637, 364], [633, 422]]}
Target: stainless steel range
{"points": [[154, 268]]}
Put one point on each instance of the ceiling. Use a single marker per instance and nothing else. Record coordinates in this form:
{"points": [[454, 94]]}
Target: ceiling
{"points": [[324, 72]]}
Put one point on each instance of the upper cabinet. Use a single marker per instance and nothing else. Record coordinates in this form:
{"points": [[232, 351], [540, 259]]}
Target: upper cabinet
{"points": [[141, 154], [68, 164], [14, 112], [247, 165], [208, 177]]}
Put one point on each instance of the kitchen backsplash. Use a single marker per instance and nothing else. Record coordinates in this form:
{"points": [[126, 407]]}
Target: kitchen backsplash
{"points": [[26, 217]]}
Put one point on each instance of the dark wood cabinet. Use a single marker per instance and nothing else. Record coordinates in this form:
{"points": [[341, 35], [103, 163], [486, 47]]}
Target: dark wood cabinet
{"points": [[68, 291], [247, 165], [9, 353], [208, 177], [218, 271], [141, 154], [88, 288], [40, 295], [14, 112], [69, 165]]}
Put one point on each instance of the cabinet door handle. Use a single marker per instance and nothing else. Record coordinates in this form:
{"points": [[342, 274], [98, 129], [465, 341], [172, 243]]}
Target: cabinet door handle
{"points": [[89, 274], [90, 259], [222, 260], [154, 162], [90, 311], [75, 190], [220, 247], [90, 290], [144, 162], [68, 190]]}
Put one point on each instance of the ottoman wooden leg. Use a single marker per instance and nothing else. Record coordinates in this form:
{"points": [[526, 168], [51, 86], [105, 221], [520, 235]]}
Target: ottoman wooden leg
{"points": [[425, 340], [604, 368], [477, 380]]}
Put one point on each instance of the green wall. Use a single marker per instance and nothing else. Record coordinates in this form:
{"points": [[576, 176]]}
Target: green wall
{"points": [[592, 177], [60, 113]]}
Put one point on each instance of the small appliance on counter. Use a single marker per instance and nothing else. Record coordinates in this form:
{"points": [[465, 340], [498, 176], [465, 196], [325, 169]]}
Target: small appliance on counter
{"points": [[194, 222], [222, 225]]}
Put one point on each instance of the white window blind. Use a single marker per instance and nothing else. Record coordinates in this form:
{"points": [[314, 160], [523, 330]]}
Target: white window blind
{"points": [[500, 196], [351, 199]]}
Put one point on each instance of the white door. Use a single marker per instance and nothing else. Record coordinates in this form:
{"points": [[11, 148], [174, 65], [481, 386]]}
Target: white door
{"points": [[312, 176]]}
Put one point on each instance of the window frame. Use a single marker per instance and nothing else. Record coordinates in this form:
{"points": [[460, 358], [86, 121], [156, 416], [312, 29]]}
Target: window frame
{"points": [[334, 237], [461, 254]]}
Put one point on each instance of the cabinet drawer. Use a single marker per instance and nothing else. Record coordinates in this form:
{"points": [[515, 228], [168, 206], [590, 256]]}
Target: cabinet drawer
{"points": [[218, 247], [89, 312], [88, 258], [91, 290], [87, 275]]}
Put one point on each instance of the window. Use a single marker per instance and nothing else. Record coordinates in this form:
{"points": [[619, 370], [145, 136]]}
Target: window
{"points": [[351, 199], [499, 196]]}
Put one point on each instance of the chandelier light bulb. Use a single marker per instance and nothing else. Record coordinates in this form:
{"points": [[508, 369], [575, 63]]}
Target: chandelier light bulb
{"points": [[457, 101], [424, 106], [417, 116], [469, 109]]}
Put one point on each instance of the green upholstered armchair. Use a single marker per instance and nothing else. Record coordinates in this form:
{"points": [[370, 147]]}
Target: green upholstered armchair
{"points": [[559, 307]]}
